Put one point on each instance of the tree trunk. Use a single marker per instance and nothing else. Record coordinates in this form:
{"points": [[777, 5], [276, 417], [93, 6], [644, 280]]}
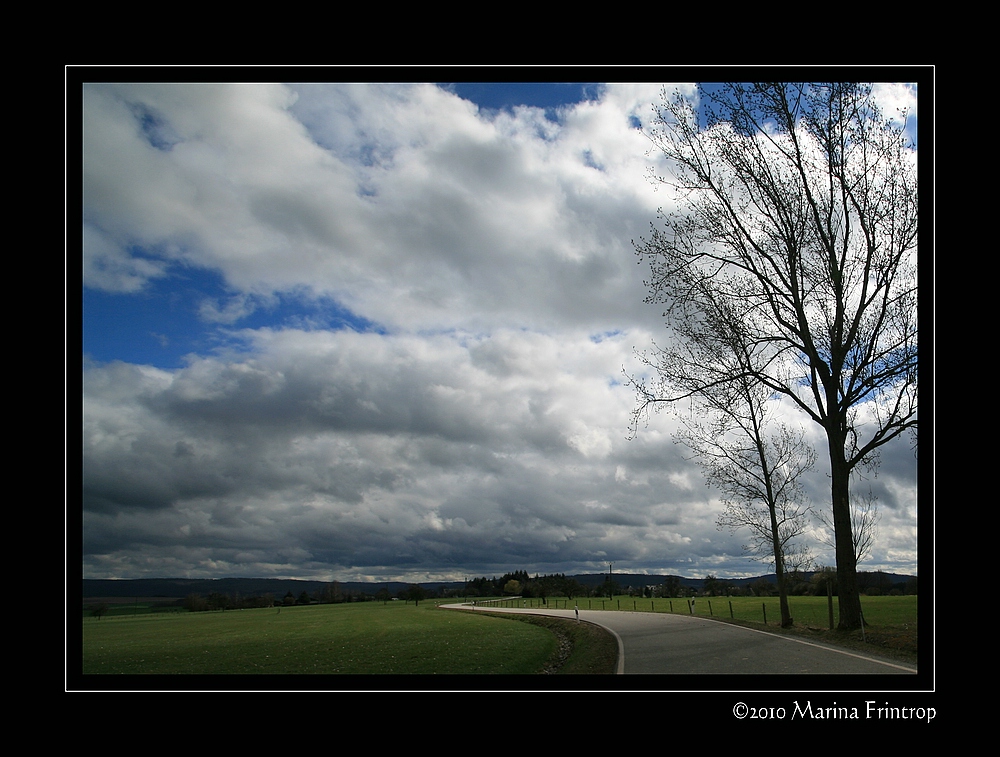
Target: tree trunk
{"points": [[786, 615], [848, 594], [779, 567]]}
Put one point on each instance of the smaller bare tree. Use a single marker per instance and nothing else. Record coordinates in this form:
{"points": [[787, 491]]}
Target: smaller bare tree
{"points": [[754, 459], [760, 481], [757, 464]]}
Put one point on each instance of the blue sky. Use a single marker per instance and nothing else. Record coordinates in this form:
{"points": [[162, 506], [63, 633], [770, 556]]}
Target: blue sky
{"points": [[549, 96], [377, 331], [170, 319]]}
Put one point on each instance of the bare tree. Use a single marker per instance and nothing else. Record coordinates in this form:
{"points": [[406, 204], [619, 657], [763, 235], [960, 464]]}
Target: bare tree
{"points": [[757, 463], [796, 228]]}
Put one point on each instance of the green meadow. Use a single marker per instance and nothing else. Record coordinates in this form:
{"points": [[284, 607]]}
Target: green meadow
{"points": [[807, 611], [357, 638]]}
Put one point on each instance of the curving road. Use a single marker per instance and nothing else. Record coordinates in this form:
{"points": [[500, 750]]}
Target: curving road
{"points": [[662, 643]]}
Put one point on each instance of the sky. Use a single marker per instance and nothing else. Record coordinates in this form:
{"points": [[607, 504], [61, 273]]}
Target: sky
{"points": [[380, 331]]}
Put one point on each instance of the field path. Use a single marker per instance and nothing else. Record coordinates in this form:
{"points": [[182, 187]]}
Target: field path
{"points": [[664, 643]]}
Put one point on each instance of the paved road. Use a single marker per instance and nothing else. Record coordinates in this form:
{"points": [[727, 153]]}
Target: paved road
{"points": [[662, 643]]}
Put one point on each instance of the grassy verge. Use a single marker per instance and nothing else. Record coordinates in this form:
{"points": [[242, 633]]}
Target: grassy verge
{"points": [[889, 642], [584, 649], [890, 631]]}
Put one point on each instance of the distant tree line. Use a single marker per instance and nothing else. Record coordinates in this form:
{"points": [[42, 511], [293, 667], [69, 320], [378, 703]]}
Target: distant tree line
{"points": [[220, 601], [331, 593], [519, 583], [817, 583]]}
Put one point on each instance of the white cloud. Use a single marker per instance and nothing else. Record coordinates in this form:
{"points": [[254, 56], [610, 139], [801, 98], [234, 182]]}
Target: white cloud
{"points": [[401, 201], [896, 98]]}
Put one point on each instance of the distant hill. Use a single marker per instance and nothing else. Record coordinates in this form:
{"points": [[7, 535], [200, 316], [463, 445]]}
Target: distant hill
{"points": [[637, 580], [178, 588]]}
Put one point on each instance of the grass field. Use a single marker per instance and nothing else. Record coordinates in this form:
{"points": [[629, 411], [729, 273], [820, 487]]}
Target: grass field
{"points": [[400, 638], [361, 638], [810, 611]]}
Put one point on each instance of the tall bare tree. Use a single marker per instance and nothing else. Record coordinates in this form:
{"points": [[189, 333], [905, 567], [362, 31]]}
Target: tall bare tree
{"points": [[795, 227]]}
